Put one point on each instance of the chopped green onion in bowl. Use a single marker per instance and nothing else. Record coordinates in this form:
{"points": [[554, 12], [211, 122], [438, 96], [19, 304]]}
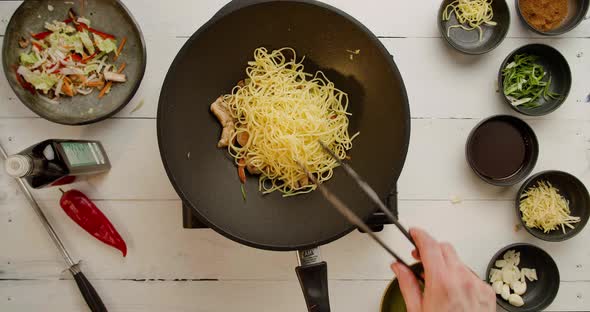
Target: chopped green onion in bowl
{"points": [[525, 82]]}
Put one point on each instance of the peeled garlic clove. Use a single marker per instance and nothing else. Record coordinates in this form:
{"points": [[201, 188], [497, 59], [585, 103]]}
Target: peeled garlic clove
{"points": [[500, 263], [495, 275], [507, 275], [505, 292], [534, 275], [515, 300], [497, 286], [518, 287]]}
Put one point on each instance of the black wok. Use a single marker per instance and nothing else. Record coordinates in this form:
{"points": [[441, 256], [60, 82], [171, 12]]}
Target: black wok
{"points": [[211, 63]]}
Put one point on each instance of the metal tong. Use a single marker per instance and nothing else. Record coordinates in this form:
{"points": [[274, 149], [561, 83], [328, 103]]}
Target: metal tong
{"points": [[354, 219], [88, 292]]}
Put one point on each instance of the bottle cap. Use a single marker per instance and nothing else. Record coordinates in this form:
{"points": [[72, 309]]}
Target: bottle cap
{"points": [[18, 166]]}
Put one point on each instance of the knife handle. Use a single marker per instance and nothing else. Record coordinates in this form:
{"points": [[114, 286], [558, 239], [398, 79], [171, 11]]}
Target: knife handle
{"points": [[313, 279], [89, 293]]}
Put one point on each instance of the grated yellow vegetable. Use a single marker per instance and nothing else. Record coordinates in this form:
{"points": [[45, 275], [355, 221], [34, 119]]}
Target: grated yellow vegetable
{"points": [[474, 13], [544, 208]]}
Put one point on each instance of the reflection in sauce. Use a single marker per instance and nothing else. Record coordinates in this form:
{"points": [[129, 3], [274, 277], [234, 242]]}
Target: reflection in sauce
{"points": [[498, 149]]}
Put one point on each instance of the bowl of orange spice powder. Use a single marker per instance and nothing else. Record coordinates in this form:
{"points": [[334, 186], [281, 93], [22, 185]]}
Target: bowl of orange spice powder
{"points": [[552, 17]]}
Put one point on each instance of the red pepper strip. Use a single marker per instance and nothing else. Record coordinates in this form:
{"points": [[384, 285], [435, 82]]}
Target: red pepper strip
{"points": [[25, 84], [85, 60], [38, 46], [100, 33], [94, 31], [79, 27], [41, 35], [76, 58], [69, 20], [241, 171], [85, 213]]}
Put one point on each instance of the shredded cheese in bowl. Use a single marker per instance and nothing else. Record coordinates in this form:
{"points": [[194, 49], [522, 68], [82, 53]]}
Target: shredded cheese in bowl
{"points": [[544, 208]]}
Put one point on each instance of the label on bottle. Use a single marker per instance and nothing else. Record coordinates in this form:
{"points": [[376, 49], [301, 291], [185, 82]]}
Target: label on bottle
{"points": [[83, 154]]}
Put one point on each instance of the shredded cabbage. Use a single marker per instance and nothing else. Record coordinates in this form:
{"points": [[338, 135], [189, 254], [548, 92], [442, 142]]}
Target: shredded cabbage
{"points": [[105, 45], [66, 42], [28, 58], [59, 27], [39, 80], [87, 41]]}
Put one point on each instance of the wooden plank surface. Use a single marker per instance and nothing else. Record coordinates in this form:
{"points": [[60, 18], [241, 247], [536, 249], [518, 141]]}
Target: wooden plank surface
{"points": [[206, 296], [160, 248], [384, 18], [435, 168], [449, 93], [434, 75]]}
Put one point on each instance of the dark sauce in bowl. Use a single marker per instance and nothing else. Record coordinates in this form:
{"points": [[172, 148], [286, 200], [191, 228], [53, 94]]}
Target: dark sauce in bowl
{"points": [[502, 150]]}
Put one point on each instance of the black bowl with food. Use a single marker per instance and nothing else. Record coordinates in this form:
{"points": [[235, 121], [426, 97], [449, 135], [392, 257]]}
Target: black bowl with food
{"points": [[464, 37], [554, 17], [393, 300], [74, 63], [553, 205], [532, 286], [535, 79], [502, 150]]}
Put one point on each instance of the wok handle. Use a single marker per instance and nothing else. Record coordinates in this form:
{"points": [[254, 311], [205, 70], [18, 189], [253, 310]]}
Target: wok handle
{"points": [[313, 279]]}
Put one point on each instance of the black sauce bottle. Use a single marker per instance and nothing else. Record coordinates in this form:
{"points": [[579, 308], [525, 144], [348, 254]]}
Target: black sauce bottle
{"points": [[58, 162]]}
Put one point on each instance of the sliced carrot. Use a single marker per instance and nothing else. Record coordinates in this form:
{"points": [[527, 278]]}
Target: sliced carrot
{"points": [[95, 83], [241, 171], [104, 90], [120, 48], [86, 59], [121, 68], [110, 83], [67, 88]]}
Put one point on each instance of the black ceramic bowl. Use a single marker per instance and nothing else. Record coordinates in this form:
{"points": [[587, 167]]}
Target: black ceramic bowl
{"points": [[573, 190], [110, 16], [557, 69], [392, 300], [539, 294], [468, 41], [502, 150], [576, 14]]}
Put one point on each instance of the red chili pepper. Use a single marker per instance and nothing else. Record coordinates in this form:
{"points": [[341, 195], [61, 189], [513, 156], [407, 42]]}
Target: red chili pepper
{"points": [[85, 213], [42, 35], [69, 20]]}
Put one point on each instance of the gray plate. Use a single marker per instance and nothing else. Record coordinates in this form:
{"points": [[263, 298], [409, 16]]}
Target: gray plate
{"points": [[109, 16]]}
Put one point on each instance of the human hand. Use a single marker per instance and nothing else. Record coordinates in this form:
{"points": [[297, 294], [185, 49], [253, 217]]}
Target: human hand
{"points": [[450, 285]]}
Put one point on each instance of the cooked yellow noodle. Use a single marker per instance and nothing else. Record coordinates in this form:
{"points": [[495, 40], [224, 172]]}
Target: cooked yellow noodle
{"points": [[285, 111]]}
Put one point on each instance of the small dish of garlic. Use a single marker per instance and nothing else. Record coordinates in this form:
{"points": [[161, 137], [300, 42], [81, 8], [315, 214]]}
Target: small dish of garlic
{"points": [[508, 280], [524, 277]]}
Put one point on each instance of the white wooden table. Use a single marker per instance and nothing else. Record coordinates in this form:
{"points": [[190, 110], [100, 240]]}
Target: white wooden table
{"points": [[172, 269]]}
